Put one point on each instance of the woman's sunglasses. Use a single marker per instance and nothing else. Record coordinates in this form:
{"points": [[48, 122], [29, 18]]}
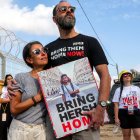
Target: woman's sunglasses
{"points": [[64, 9], [127, 75], [39, 51]]}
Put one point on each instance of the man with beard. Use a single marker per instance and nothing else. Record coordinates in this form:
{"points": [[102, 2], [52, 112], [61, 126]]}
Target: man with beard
{"points": [[71, 46]]}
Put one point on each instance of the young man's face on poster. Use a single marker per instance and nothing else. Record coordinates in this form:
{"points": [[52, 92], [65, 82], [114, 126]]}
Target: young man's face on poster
{"points": [[65, 79]]}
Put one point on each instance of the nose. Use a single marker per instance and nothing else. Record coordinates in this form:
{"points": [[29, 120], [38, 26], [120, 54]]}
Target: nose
{"points": [[69, 9], [42, 52]]}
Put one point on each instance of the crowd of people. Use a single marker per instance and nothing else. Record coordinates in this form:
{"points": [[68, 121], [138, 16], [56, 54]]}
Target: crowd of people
{"points": [[30, 119]]}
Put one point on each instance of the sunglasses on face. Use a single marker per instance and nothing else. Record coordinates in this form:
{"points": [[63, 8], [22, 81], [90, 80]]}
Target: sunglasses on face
{"points": [[39, 51], [127, 75], [64, 9]]}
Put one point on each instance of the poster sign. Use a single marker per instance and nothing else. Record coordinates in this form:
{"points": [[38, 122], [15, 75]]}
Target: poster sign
{"points": [[69, 89]]}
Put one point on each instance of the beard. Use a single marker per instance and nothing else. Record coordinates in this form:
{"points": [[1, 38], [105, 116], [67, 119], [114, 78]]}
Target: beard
{"points": [[67, 22]]}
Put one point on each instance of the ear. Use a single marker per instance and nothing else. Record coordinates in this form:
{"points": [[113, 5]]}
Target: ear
{"points": [[29, 60], [54, 19]]}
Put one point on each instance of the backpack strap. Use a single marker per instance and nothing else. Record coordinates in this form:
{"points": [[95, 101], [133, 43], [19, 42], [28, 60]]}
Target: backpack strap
{"points": [[121, 89], [63, 88], [72, 86]]}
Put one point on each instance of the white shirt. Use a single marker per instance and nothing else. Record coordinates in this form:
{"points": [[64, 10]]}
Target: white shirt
{"points": [[4, 93], [66, 93], [130, 96]]}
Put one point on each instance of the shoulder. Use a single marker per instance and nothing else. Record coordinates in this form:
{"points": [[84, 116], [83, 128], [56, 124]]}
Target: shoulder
{"points": [[118, 89], [90, 38], [22, 75], [52, 43], [4, 88], [136, 87]]}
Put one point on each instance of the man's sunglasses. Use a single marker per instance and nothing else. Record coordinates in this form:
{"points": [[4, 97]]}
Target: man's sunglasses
{"points": [[64, 9], [39, 51], [127, 75]]}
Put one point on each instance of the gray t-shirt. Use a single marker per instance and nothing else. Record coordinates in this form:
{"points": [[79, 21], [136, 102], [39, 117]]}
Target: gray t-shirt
{"points": [[29, 87]]}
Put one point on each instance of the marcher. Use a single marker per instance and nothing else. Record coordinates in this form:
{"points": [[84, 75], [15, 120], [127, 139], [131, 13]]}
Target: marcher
{"points": [[71, 46], [5, 115], [69, 90], [27, 106], [127, 106]]}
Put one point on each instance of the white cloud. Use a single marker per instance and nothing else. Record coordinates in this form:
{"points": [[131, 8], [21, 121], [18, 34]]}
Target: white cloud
{"points": [[37, 21], [131, 16]]}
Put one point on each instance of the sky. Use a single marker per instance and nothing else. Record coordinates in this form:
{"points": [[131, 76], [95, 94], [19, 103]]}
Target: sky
{"points": [[116, 24]]}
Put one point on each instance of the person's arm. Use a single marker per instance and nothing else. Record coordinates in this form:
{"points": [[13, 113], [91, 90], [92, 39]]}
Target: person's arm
{"points": [[105, 82], [104, 91], [116, 111], [97, 114], [63, 97], [139, 96], [74, 92], [12, 87], [4, 100], [16, 106]]}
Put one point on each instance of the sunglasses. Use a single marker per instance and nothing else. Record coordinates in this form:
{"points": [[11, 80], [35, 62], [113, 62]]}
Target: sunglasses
{"points": [[127, 75], [64, 9], [39, 51]]}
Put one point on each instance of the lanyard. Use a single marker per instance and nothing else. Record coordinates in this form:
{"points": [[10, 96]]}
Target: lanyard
{"points": [[4, 108]]}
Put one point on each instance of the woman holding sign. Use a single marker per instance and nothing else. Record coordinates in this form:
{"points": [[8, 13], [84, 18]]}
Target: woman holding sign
{"points": [[26, 105], [127, 106]]}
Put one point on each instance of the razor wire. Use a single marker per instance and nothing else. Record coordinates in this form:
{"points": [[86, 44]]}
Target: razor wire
{"points": [[10, 44], [11, 53]]}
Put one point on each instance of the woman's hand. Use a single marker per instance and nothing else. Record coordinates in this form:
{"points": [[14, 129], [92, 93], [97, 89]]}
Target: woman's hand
{"points": [[38, 97], [97, 116], [117, 121], [74, 92]]}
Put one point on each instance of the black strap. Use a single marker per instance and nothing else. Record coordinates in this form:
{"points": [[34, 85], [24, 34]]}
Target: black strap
{"points": [[73, 95], [62, 86], [121, 89]]}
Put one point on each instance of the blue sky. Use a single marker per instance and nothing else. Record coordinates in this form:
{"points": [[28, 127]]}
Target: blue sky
{"points": [[115, 21]]}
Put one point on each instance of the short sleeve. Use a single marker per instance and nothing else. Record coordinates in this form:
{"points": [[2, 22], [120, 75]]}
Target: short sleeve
{"points": [[139, 93], [75, 87], [116, 95], [61, 90], [95, 52], [19, 85]]}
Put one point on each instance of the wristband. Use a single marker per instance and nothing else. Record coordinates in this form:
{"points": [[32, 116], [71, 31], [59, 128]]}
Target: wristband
{"points": [[34, 101]]}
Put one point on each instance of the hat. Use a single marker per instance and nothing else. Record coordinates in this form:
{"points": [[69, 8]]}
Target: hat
{"points": [[123, 72]]}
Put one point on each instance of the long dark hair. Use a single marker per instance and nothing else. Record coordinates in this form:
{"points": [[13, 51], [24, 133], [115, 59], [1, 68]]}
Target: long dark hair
{"points": [[122, 84], [6, 76], [121, 87]]}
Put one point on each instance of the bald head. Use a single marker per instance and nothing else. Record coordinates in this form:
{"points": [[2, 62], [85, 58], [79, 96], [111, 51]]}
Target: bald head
{"points": [[61, 3]]}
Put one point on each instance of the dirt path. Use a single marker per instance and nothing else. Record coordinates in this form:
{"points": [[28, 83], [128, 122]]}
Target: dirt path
{"points": [[107, 134]]}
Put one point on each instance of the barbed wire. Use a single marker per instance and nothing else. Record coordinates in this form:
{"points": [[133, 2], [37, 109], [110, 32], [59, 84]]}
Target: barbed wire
{"points": [[11, 45], [11, 53]]}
